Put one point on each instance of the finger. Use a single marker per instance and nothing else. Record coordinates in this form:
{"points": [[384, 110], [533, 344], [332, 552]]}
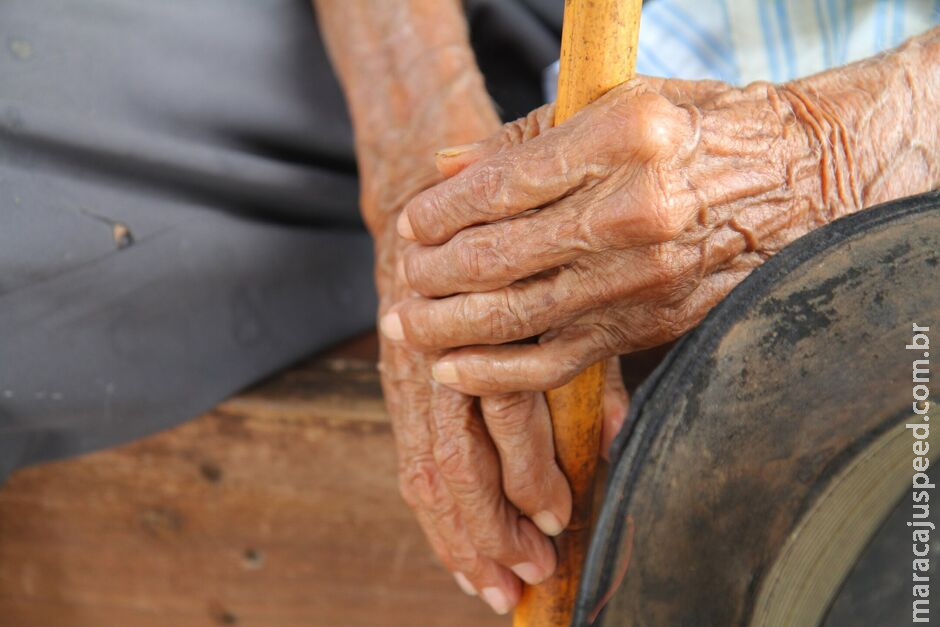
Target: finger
{"points": [[561, 355], [611, 214], [513, 180], [628, 125], [427, 494], [407, 395], [474, 573], [440, 519], [521, 429], [518, 311], [492, 256], [531, 307], [492, 370], [451, 161], [469, 465], [616, 403]]}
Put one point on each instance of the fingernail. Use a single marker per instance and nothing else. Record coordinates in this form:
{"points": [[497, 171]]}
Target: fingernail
{"points": [[548, 523], [465, 584], [529, 573], [495, 598], [454, 151], [391, 327], [404, 226], [444, 372], [400, 270]]}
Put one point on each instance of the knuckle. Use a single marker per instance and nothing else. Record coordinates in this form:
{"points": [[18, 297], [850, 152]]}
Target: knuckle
{"points": [[416, 317], [671, 323], [494, 543], [509, 319], [540, 120], [514, 133], [453, 456], [663, 219], [672, 273], [593, 235], [524, 490], [509, 414], [548, 374], [568, 366], [414, 266], [479, 255], [443, 513], [648, 213], [589, 282], [607, 339], [487, 188], [418, 482], [467, 559], [655, 123], [429, 213], [532, 125], [470, 259], [528, 127]]}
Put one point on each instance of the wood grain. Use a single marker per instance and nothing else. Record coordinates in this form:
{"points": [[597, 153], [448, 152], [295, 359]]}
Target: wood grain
{"points": [[598, 52], [277, 509]]}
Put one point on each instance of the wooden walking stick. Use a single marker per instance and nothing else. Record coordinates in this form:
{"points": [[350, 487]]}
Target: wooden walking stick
{"points": [[598, 52]]}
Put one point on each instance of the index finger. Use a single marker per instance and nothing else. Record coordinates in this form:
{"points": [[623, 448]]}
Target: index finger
{"points": [[522, 177]]}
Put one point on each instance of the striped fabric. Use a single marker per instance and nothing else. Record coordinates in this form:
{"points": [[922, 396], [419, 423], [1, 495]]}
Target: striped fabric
{"points": [[740, 41]]}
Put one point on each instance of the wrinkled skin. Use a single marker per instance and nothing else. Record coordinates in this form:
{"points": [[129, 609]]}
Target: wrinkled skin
{"points": [[470, 468], [476, 472], [620, 229]]}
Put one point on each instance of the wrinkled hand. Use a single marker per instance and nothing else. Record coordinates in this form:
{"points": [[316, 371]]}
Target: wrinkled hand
{"points": [[613, 232], [480, 474], [473, 469]]}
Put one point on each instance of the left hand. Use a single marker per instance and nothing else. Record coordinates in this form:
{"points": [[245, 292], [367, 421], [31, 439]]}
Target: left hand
{"points": [[615, 231]]}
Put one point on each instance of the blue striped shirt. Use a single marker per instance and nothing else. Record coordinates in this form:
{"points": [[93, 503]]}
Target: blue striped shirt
{"points": [[740, 41]]}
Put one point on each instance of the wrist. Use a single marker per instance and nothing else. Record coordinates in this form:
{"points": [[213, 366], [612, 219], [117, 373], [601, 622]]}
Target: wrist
{"points": [[412, 87], [875, 125], [392, 61]]}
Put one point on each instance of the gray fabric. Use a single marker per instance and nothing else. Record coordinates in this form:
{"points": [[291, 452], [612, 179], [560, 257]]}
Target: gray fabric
{"points": [[215, 133], [178, 204]]}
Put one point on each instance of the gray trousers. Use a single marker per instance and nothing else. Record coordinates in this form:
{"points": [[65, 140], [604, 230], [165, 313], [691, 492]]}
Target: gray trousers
{"points": [[178, 205]]}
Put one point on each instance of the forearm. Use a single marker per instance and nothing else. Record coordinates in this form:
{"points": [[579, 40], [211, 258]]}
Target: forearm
{"points": [[412, 87], [879, 120], [393, 52]]}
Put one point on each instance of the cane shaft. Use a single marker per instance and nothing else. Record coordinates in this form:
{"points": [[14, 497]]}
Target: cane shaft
{"points": [[598, 52]]}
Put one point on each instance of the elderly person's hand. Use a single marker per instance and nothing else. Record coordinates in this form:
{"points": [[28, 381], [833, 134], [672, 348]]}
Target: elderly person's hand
{"points": [[480, 474], [621, 228]]}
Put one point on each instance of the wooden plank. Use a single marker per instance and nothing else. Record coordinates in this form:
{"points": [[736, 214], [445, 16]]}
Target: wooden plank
{"points": [[278, 508]]}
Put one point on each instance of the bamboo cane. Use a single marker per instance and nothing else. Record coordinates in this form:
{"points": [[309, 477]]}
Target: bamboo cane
{"points": [[598, 52]]}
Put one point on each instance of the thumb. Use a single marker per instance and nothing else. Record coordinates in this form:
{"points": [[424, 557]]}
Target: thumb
{"points": [[450, 161]]}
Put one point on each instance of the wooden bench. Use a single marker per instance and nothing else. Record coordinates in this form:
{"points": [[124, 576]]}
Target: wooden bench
{"points": [[278, 508]]}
